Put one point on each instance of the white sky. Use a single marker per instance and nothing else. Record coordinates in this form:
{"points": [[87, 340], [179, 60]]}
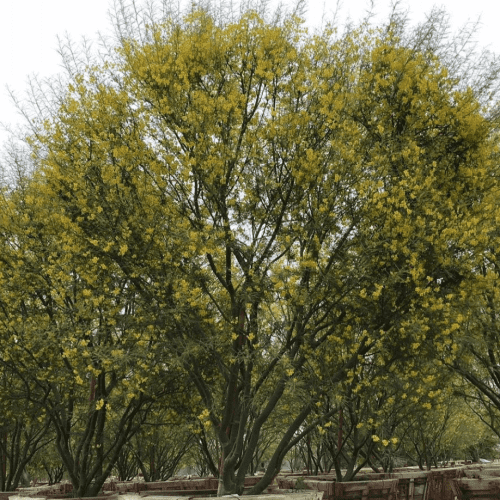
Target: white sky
{"points": [[29, 30]]}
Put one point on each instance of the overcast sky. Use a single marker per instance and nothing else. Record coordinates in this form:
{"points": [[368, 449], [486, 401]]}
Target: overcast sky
{"points": [[29, 31]]}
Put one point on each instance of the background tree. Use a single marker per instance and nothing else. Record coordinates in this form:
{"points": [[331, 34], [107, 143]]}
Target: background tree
{"points": [[126, 465], [47, 465], [204, 455], [160, 445], [23, 432], [450, 432], [71, 342], [479, 363]]}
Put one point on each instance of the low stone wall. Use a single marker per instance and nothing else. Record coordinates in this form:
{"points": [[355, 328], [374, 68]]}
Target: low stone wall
{"points": [[487, 488], [412, 484]]}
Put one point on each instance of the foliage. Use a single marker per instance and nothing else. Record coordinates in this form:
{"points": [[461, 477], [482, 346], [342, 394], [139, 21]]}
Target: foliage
{"points": [[450, 432], [78, 361], [368, 429], [235, 213], [479, 360]]}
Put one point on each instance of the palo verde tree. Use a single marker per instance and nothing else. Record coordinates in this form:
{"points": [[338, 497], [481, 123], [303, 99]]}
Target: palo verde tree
{"points": [[47, 464], [160, 446], [23, 432], [479, 361], [376, 408], [280, 208], [73, 346]]}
